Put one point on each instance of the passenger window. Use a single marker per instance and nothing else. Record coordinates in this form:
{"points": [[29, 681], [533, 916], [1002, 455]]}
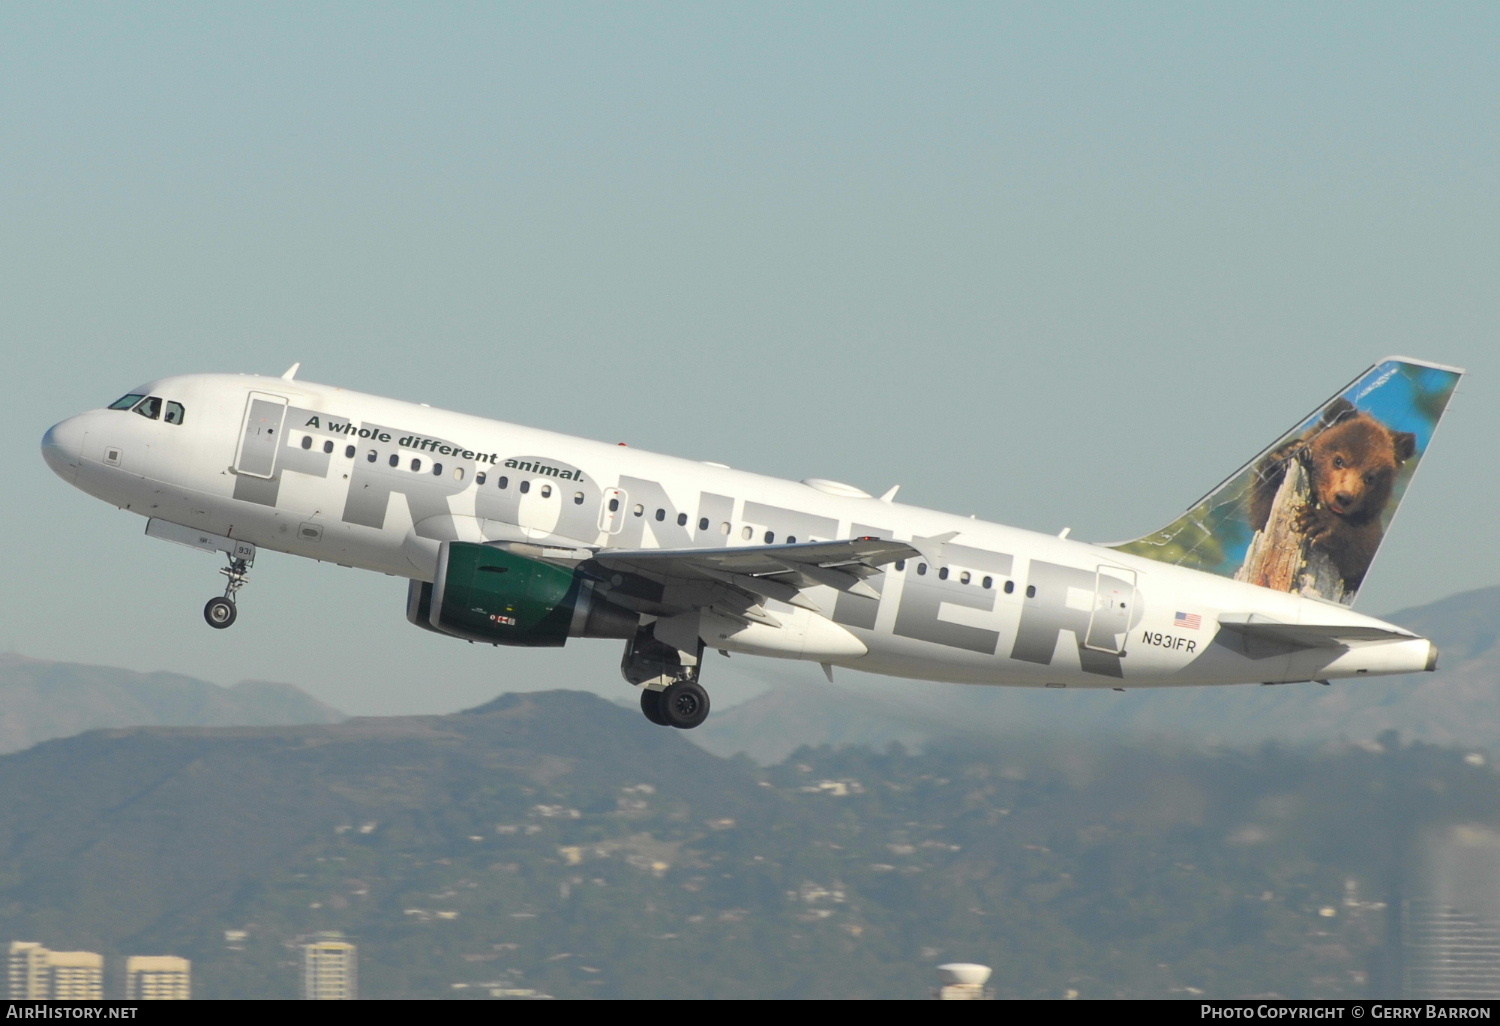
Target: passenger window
{"points": [[791, 539], [943, 574], [348, 452], [437, 470], [921, 569], [747, 532], [639, 510], [703, 524], [614, 505], [175, 413], [328, 447], [900, 565], [458, 473], [1031, 591], [682, 520], [770, 537], [373, 456], [125, 402], [395, 460], [150, 408], [480, 478], [724, 528], [989, 582], [578, 498], [307, 441], [525, 487], [416, 466], [661, 515], [1010, 586], [504, 481], [964, 578]]}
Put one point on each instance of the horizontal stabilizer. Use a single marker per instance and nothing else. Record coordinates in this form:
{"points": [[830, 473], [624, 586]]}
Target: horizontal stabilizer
{"points": [[1259, 627]]}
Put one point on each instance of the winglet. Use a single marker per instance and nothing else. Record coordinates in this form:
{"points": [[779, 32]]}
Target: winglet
{"points": [[890, 496], [291, 372], [932, 548]]}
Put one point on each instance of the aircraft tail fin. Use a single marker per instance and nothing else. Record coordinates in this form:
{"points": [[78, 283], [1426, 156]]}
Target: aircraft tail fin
{"points": [[1308, 513]]}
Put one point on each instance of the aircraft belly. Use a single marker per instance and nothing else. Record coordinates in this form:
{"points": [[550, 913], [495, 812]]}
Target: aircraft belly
{"points": [[309, 534]]}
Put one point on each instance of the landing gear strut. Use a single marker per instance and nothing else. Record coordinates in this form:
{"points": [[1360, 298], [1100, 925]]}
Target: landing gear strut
{"points": [[220, 612]]}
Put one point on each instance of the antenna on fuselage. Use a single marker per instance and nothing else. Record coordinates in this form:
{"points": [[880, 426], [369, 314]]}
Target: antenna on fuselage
{"points": [[291, 372]]}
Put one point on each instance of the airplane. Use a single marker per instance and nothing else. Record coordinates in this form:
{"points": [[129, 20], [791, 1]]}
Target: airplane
{"points": [[510, 535]]}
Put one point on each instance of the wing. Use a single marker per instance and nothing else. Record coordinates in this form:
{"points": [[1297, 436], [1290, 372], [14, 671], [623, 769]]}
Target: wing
{"points": [[736, 581]]}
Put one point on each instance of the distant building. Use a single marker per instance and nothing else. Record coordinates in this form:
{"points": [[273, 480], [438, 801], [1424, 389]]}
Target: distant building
{"points": [[1451, 953], [158, 978], [963, 981], [36, 974], [1451, 927], [26, 971], [329, 968]]}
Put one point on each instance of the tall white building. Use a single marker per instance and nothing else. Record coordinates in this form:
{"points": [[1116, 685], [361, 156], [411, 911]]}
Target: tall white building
{"points": [[26, 971], [37, 974], [158, 978], [1451, 926], [329, 968]]}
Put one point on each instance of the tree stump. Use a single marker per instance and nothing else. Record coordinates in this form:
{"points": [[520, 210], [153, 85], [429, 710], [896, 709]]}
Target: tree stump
{"points": [[1280, 557]]}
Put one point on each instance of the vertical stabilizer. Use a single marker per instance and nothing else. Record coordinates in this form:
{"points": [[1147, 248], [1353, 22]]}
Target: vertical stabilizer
{"points": [[1308, 513]]}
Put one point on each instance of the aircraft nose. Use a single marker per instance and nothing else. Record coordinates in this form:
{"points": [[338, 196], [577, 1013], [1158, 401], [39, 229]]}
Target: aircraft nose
{"points": [[62, 448]]}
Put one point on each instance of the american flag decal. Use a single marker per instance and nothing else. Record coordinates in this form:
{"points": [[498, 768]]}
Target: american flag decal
{"points": [[1192, 621]]}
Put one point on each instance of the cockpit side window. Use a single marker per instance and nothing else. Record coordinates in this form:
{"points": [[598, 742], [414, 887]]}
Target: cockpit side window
{"points": [[125, 402], [149, 408], [175, 413]]}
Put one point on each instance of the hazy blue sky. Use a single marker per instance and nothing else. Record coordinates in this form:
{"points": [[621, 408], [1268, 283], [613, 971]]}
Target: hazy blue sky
{"points": [[1052, 264]]}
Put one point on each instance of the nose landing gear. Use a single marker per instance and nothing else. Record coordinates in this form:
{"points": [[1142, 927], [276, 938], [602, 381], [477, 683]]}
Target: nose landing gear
{"points": [[220, 612]]}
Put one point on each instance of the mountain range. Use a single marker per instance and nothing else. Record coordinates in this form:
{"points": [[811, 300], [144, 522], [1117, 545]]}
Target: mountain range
{"points": [[40, 700], [553, 843]]}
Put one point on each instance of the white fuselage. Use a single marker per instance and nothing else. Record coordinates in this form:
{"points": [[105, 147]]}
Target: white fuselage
{"points": [[991, 604]]}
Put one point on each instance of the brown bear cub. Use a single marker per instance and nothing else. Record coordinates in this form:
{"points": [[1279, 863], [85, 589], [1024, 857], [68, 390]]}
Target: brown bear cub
{"points": [[1351, 460]]}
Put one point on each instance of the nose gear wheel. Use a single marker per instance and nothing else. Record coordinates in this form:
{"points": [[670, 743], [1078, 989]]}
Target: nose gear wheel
{"points": [[220, 612]]}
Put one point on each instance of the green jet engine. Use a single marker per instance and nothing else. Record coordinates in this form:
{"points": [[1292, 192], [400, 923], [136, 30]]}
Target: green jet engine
{"points": [[488, 594]]}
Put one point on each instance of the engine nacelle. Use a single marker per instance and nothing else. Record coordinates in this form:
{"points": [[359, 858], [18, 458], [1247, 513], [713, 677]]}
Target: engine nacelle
{"points": [[488, 594]]}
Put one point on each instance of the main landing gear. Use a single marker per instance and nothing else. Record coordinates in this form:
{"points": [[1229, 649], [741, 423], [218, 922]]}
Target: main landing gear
{"points": [[683, 705], [220, 612], [668, 678]]}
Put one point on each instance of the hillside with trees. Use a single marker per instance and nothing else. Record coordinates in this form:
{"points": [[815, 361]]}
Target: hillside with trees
{"points": [[554, 843]]}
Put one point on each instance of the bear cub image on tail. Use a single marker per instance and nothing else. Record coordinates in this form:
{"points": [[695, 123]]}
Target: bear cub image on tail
{"points": [[1351, 460]]}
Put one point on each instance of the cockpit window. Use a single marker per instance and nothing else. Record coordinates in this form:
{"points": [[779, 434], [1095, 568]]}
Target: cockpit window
{"points": [[125, 402], [150, 407], [175, 413]]}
